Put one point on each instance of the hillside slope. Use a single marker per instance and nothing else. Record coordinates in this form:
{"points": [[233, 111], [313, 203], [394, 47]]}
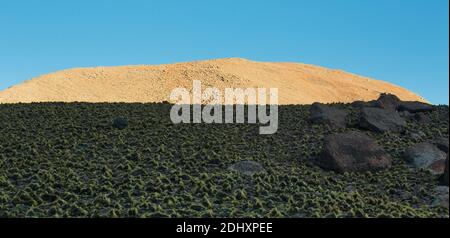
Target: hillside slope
{"points": [[297, 83]]}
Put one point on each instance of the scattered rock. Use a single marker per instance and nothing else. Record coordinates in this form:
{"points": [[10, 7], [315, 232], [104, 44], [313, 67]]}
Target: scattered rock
{"points": [[321, 113], [426, 156], [120, 123], [381, 120], [352, 152], [350, 189], [247, 167], [441, 199], [418, 135], [299, 215], [442, 144], [414, 107], [388, 102]]}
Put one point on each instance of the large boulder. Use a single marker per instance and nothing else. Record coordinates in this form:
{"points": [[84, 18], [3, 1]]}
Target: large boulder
{"points": [[388, 102], [352, 152], [414, 107], [320, 113], [426, 156], [380, 120]]}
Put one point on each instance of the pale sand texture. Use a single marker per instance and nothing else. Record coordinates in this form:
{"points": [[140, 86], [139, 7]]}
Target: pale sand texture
{"points": [[297, 83]]}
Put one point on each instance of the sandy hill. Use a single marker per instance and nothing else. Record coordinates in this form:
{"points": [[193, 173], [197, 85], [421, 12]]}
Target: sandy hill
{"points": [[297, 83]]}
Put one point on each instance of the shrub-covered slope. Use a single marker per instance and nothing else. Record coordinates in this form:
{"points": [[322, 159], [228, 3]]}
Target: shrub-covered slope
{"points": [[68, 160]]}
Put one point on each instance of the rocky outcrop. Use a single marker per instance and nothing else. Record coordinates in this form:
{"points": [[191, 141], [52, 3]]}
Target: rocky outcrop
{"points": [[380, 120], [352, 152], [387, 101], [415, 107], [320, 113], [426, 156]]}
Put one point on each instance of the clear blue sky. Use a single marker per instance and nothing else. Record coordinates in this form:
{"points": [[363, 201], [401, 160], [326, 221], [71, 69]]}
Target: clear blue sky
{"points": [[405, 42]]}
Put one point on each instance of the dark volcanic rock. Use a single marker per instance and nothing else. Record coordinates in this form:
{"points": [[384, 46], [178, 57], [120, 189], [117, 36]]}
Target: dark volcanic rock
{"points": [[320, 113], [388, 102], [247, 167], [352, 152], [415, 107], [380, 120], [442, 197], [444, 178], [120, 123], [442, 144], [426, 156]]}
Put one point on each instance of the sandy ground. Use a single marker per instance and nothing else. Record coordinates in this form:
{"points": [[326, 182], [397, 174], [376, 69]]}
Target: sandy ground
{"points": [[297, 83]]}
